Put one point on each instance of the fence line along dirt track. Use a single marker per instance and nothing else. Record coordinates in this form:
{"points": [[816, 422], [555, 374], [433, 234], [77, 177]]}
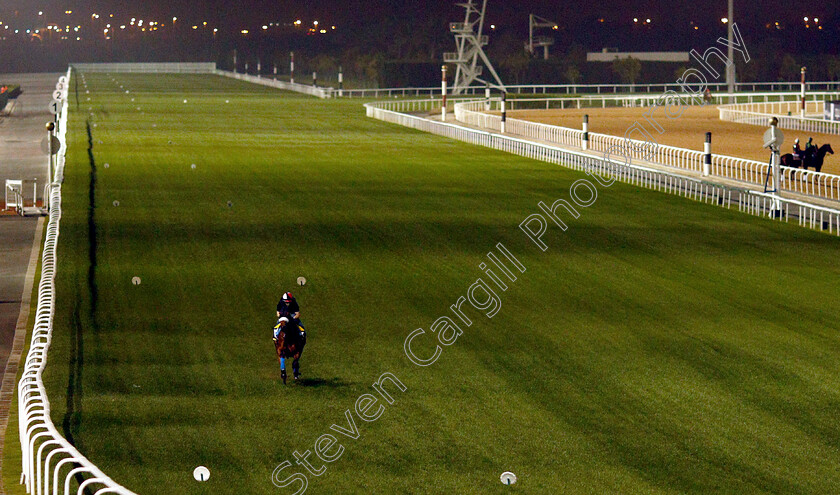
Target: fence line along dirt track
{"points": [[687, 131]]}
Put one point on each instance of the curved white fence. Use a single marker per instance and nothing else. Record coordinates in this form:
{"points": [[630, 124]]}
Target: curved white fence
{"points": [[811, 183], [274, 83], [760, 114], [50, 464], [753, 202]]}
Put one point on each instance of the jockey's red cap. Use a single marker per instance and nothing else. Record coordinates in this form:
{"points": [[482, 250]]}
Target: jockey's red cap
{"points": [[287, 296]]}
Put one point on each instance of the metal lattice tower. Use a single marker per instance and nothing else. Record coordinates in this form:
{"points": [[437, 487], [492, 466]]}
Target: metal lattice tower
{"points": [[469, 42]]}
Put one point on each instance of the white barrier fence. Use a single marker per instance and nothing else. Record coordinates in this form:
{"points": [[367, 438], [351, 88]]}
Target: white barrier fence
{"points": [[753, 202], [149, 68], [50, 464], [274, 83], [760, 113], [594, 89], [817, 184]]}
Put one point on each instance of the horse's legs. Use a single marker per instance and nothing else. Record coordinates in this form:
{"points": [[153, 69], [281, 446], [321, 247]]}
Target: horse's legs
{"points": [[283, 368], [296, 365]]}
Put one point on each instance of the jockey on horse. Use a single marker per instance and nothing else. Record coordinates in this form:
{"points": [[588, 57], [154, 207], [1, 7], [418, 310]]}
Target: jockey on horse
{"points": [[798, 155], [289, 341], [289, 307], [810, 147]]}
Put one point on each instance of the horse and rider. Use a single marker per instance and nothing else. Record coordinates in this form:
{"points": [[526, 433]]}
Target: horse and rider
{"points": [[811, 156], [289, 334]]}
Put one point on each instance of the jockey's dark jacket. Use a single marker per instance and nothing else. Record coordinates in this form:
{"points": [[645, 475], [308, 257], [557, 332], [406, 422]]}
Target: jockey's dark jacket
{"points": [[288, 309]]}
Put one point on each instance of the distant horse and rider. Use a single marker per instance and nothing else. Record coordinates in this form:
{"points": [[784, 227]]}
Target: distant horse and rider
{"points": [[289, 335], [812, 156]]}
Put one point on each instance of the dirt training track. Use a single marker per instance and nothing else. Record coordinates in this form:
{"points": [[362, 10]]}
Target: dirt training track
{"points": [[687, 131]]}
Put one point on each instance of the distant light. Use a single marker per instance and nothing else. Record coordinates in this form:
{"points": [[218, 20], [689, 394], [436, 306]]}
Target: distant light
{"points": [[323, 31], [122, 27], [174, 19], [492, 26], [695, 27], [805, 19], [265, 27], [204, 23], [215, 30], [647, 21], [724, 20], [244, 31], [315, 23], [298, 22], [635, 19], [333, 27], [816, 19], [68, 12], [40, 12], [195, 27]]}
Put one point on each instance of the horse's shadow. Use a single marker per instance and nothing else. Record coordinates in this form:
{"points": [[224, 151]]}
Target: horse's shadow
{"points": [[323, 382]]}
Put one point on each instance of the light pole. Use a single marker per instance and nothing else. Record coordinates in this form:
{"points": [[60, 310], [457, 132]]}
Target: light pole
{"points": [[730, 68]]}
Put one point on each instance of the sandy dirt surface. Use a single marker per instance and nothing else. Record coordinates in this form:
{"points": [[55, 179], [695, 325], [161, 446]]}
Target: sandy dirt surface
{"points": [[687, 131]]}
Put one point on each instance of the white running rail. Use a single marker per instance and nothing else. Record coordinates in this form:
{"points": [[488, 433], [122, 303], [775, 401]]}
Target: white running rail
{"points": [[50, 464], [787, 113], [818, 184], [274, 83], [749, 201]]}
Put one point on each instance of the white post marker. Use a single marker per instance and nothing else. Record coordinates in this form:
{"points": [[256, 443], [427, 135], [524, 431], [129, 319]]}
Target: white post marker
{"points": [[259, 68], [340, 81], [50, 129], [292, 67], [504, 110], [802, 96], [585, 141], [487, 97], [443, 92], [201, 473], [707, 155], [315, 79]]}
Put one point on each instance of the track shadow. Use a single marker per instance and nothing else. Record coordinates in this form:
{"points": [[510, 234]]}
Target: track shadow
{"points": [[322, 382]]}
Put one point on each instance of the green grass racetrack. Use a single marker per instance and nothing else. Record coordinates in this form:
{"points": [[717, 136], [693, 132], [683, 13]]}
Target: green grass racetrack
{"points": [[658, 346]]}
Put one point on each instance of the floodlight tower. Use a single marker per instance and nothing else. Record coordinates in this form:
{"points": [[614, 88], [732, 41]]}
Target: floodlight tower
{"points": [[470, 42], [730, 68], [535, 21]]}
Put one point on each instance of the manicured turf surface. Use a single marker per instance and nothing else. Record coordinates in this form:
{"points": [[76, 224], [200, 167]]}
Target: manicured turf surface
{"points": [[658, 346]]}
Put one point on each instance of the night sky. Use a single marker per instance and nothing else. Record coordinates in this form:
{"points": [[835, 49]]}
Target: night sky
{"points": [[355, 12]]}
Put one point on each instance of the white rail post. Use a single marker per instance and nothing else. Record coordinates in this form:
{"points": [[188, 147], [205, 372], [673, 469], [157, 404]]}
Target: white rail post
{"points": [[504, 110], [585, 141], [802, 109], [292, 67], [50, 129], [487, 97], [707, 155], [443, 92], [340, 81]]}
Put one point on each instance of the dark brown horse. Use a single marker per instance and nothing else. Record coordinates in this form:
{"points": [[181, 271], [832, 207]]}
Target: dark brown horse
{"points": [[814, 160], [288, 343]]}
